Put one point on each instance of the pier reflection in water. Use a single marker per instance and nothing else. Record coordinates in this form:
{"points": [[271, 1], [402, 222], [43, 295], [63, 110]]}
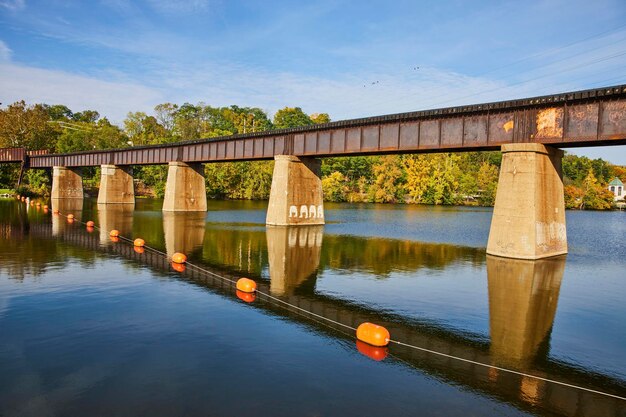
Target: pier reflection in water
{"points": [[294, 256], [115, 216], [523, 298], [61, 207], [184, 231]]}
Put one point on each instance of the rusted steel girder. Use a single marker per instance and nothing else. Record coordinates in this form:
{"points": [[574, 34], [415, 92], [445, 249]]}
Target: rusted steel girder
{"points": [[12, 154], [584, 118]]}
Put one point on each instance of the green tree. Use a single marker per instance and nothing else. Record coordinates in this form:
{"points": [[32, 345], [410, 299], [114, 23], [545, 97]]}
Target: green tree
{"points": [[291, 117]]}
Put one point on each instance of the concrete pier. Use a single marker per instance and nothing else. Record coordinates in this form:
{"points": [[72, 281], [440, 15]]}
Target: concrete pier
{"points": [[116, 185], [66, 183], [296, 196], [529, 214], [185, 189]]}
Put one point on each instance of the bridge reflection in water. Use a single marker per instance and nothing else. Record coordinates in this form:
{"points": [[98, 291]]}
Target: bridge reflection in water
{"points": [[523, 298]]}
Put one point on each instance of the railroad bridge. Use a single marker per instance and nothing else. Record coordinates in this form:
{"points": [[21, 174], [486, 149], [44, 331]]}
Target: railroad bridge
{"points": [[529, 214]]}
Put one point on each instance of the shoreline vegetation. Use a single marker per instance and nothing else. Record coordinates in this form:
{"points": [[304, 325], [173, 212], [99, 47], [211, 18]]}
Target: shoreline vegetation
{"points": [[468, 178]]}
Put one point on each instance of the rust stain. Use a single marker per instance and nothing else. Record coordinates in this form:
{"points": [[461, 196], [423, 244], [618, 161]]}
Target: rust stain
{"points": [[508, 126], [550, 123]]}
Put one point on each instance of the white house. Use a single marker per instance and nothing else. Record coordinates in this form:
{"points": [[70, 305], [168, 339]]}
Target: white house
{"points": [[617, 188]]}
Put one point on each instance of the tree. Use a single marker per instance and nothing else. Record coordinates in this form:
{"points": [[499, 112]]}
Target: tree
{"points": [[291, 117], [487, 183], [595, 197], [27, 126], [418, 169], [58, 112], [145, 130], [388, 181], [443, 182], [86, 116], [573, 197], [335, 187], [320, 118], [165, 114]]}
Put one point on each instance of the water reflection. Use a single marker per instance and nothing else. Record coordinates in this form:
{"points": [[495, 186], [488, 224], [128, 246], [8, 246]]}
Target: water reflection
{"points": [[294, 256], [115, 216], [523, 296], [184, 231], [61, 207]]}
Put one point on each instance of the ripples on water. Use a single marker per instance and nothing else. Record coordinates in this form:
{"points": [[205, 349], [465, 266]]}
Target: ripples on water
{"points": [[91, 328]]}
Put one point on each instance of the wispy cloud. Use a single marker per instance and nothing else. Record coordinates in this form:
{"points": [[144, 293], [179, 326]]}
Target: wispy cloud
{"points": [[110, 98], [13, 4], [181, 6], [5, 52]]}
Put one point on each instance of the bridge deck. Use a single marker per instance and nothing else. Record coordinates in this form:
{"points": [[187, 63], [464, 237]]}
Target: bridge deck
{"points": [[584, 118]]}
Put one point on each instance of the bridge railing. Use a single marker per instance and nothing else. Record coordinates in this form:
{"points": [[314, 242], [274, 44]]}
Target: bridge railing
{"points": [[12, 154], [18, 154]]}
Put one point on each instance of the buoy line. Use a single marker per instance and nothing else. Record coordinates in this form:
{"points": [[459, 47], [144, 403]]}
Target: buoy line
{"points": [[363, 328]]}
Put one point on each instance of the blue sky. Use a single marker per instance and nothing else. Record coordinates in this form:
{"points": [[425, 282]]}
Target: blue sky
{"points": [[346, 58]]}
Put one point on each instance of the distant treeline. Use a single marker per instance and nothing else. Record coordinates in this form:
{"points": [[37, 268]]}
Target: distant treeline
{"points": [[443, 178]]}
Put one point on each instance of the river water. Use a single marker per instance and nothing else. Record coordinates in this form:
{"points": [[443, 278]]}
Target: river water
{"points": [[92, 327]]}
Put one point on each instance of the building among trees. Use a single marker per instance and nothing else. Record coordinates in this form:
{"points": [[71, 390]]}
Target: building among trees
{"points": [[617, 188]]}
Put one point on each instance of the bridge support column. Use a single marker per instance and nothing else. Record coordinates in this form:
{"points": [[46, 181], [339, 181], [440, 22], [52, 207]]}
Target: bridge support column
{"points": [[529, 214], [185, 189], [296, 196], [66, 183], [116, 185]]}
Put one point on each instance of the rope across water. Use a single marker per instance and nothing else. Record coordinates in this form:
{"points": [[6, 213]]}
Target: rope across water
{"points": [[390, 340]]}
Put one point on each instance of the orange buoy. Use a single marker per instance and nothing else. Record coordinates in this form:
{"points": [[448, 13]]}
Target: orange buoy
{"points": [[70, 217], [23, 198], [376, 353], [38, 204], [45, 210], [178, 267], [45, 207], [179, 258], [114, 239], [114, 233], [248, 297], [139, 242], [55, 211], [139, 249], [246, 285], [70, 221], [90, 223], [32, 203], [373, 334], [89, 229]]}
